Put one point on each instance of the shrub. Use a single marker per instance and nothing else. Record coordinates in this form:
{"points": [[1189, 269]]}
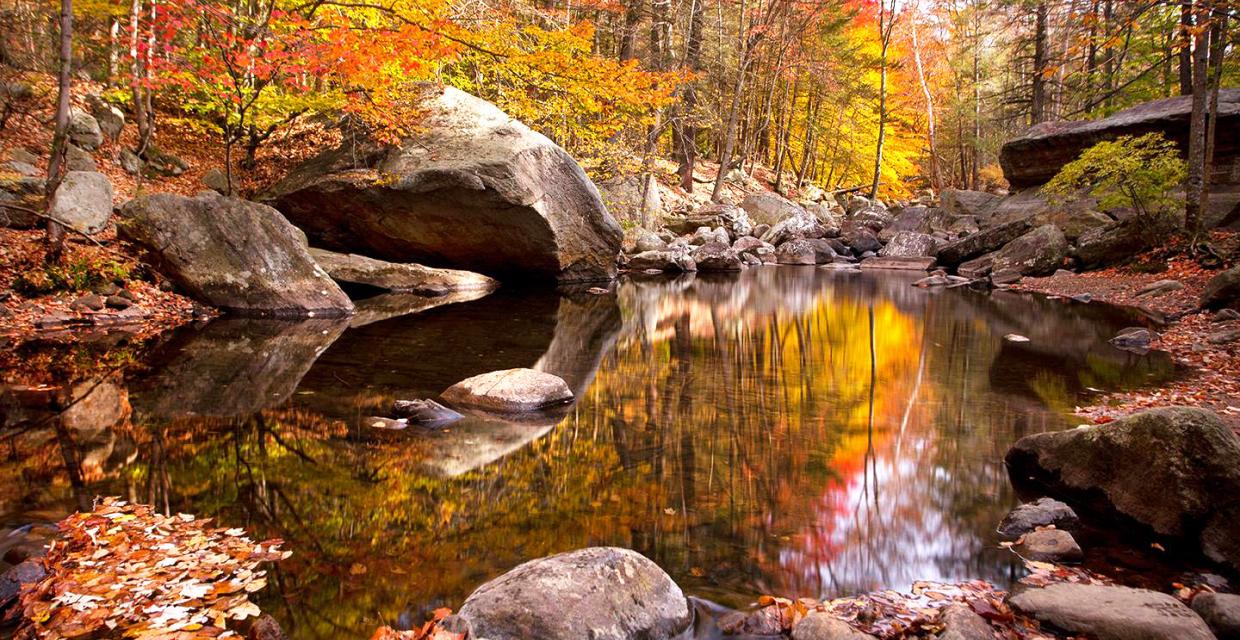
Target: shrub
{"points": [[1127, 173], [76, 275]]}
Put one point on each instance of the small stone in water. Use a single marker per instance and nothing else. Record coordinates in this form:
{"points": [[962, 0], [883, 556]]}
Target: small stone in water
{"points": [[425, 412], [376, 422], [1015, 337]]}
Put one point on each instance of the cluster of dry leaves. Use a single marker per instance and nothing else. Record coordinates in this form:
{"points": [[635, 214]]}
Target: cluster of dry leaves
{"points": [[428, 631], [125, 570]]}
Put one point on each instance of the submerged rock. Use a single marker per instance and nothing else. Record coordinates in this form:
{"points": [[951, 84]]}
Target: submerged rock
{"points": [[473, 189], [396, 277], [1043, 512], [1174, 470], [602, 593], [424, 412], [239, 256], [1112, 613], [510, 391]]}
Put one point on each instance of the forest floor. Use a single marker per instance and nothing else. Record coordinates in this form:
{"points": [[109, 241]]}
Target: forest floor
{"points": [[1213, 378]]}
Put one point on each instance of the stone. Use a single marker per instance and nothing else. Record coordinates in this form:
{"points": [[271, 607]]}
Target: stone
{"points": [[800, 226], [716, 256], [216, 180], [1226, 336], [874, 217], [1076, 222], [820, 625], [1036, 253], [731, 218], [796, 252], [110, 118], [236, 255], [932, 281], [425, 412], [1112, 244], [910, 244], [960, 622], [1005, 277], [78, 160], [898, 263], [387, 424], [765, 207], [1221, 612], [627, 197], [1222, 290], [969, 203], [399, 278], [1133, 338], [1174, 470], [979, 267], [704, 235], [84, 130], [670, 260], [83, 201], [748, 243], [162, 163], [916, 219], [637, 240], [982, 242], [1043, 512], [824, 250], [11, 581], [1226, 315], [118, 302], [1111, 613], [89, 302], [472, 189], [1160, 287], [860, 239], [1036, 156], [130, 162], [509, 391], [1050, 545], [602, 593]]}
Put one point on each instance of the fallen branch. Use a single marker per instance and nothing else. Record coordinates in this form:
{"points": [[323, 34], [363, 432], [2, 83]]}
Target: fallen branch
{"points": [[840, 192], [64, 224]]}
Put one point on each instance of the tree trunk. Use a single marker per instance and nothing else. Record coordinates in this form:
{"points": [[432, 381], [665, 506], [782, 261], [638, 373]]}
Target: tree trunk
{"points": [[55, 165], [1218, 48], [686, 125], [1037, 111], [1186, 54], [886, 19], [1194, 191], [935, 181]]}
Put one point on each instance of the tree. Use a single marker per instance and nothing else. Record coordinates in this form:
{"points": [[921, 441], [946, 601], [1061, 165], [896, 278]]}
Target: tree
{"points": [[1194, 186], [60, 139], [886, 22]]}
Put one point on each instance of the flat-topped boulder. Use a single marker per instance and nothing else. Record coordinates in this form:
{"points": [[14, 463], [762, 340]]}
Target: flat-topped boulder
{"points": [[1111, 613], [603, 593], [396, 277], [471, 189], [1035, 157], [510, 391], [239, 256]]}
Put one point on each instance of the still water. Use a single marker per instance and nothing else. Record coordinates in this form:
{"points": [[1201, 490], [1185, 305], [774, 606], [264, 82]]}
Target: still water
{"points": [[794, 431]]}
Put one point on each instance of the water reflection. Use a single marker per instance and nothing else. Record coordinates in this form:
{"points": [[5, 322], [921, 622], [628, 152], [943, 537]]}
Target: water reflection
{"points": [[786, 430]]}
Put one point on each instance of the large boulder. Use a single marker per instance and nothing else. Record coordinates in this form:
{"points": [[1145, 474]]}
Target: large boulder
{"points": [[963, 202], [982, 242], [603, 593], [1116, 242], [800, 225], [1037, 253], [627, 198], [83, 201], [401, 278], [1222, 290], [1174, 470], [1111, 613], [240, 256], [910, 244], [84, 130], [471, 189], [1035, 157], [765, 207], [716, 256]]}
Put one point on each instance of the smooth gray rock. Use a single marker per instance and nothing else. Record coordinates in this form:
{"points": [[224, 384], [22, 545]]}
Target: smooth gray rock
{"points": [[84, 130], [509, 391], [232, 254], [1221, 611], [1042, 512], [1160, 287], [110, 118], [1222, 290], [1133, 338], [1175, 470], [1050, 545], [1112, 244], [970, 203], [716, 256], [910, 244], [820, 625], [960, 622], [471, 189], [1036, 253], [424, 412], [78, 160], [796, 252], [83, 201], [799, 226], [399, 278], [637, 240], [216, 180], [627, 198], [601, 593], [1112, 613]]}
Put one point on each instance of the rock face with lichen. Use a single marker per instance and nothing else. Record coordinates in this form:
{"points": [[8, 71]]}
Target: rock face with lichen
{"points": [[1175, 470], [472, 189]]}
